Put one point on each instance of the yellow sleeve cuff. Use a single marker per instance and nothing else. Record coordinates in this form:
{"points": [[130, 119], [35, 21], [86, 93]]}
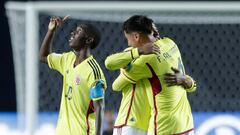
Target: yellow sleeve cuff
{"points": [[194, 85], [134, 53], [95, 99], [49, 61]]}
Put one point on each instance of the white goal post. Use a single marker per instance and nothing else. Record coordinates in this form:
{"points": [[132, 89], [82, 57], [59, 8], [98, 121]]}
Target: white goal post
{"points": [[24, 31]]}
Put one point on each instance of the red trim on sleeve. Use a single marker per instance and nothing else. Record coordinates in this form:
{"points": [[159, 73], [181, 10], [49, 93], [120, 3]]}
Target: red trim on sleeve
{"points": [[128, 77]]}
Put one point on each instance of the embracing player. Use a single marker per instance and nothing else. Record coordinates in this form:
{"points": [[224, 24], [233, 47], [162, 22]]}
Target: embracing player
{"points": [[163, 77]]}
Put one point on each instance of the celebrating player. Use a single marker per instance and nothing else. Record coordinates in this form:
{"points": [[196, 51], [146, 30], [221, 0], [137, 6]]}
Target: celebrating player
{"points": [[83, 80]]}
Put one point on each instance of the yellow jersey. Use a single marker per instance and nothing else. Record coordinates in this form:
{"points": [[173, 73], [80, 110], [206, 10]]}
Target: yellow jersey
{"points": [[134, 110], [170, 109], [76, 116]]}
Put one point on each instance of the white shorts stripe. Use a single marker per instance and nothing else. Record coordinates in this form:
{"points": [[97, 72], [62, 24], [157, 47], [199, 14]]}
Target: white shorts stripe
{"points": [[128, 130]]}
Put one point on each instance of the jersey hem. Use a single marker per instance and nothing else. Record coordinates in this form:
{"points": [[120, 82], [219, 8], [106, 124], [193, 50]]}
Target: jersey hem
{"points": [[182, 133]]}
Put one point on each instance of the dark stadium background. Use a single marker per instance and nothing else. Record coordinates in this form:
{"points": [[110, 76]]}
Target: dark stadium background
{"points": [[8, 96]]}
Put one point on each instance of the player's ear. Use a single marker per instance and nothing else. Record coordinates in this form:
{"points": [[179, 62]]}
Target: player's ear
{"points": [[136, 36], [89, 40]]}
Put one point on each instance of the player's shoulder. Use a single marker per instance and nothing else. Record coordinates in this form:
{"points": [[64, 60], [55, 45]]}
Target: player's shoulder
{"points": [[93, 65], [68, 56], [146, 58], [92, 61], [128, 49], [65, 56], [166, 40], [94, 71]]}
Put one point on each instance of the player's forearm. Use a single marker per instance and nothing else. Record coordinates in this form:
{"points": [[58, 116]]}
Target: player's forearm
{"points": [[99, 107], [117, 86], [117, 61], [120, 60], [121, 81], [46, 47]]}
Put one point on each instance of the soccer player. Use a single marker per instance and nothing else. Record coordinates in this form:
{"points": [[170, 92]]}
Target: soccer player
{"points": [[134, 112], [164, 79], [84, 83]]}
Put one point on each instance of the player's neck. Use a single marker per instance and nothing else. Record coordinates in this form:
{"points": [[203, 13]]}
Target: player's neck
{"points": [[151, 38], [81, 55], [148, 39]]}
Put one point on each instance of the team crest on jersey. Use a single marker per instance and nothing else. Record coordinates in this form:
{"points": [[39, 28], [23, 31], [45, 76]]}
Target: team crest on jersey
{"points": [[132, 119], [77, 80]]}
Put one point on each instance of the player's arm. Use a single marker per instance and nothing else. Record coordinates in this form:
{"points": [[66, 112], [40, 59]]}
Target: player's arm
{"points": [[136, 72], [177, 78], [99, 108], [122, 59], [97, 95], [46, 47], [121, 81]]}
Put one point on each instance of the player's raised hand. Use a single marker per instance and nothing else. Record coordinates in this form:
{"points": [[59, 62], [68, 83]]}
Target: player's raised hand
{"points": [[56, 22], [176, 78], [149, 48]]}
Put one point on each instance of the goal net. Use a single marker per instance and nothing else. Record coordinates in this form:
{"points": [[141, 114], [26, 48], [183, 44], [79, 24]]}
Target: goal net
{"points": [[207, 34]]}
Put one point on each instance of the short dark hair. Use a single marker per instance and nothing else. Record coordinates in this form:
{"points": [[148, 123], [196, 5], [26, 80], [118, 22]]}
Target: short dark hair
{"points": [[138, 23], [92, 32]]}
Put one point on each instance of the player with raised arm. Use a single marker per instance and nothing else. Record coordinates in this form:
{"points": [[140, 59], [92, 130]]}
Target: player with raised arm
{"points": [[164, 79], [82, 101]]}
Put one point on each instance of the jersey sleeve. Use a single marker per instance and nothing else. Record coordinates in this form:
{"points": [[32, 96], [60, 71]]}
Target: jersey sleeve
{"points": [[194, 85], [121, 81], [122, 59], [56, 61], [96, 81], [136, 70]]}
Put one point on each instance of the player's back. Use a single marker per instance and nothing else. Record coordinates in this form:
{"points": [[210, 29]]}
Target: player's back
{"points": [[171, 112], [162, 64]]}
